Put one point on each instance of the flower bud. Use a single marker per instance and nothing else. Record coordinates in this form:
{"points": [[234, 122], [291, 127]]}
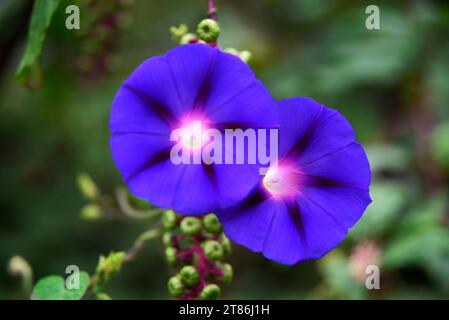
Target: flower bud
{"points": [[228, 273], [91, 212], [246, 56], [190, 275], [179, 32], [211, 223], [175, 287], [210, 292], [208, 30], [169, 219], [188, 38], [167, 238], [87, 186], [171, 256], [213, 250], [226, 244], [190, 226]]}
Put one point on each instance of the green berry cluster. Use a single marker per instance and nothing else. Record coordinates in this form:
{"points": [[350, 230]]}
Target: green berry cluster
{"points": [[208, 31], [197, 247]]}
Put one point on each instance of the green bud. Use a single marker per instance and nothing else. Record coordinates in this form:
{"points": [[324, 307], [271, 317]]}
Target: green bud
{"points": [[171, 256], [246, 56], [213, 250], [190, 226], [187, 38], [190, 275], [212, 224], [87, 186], [228, 273], [167, 238], [208, 30], [210, 292], [179, 32], [169, 219], [91, 212], [226, 244], [175, 287], [108, 267]]}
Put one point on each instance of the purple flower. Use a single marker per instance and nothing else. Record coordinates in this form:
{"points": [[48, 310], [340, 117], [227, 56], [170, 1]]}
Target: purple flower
{"points": [[190, 84], [304, 206]]}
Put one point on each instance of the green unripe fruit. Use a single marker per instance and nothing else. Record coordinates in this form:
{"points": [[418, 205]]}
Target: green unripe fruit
{"points": [[167, 239], [169, 219], [190, 275], [211, 223], [226, 244], [190, 226], [175, 287], [171, 256], [208, 30], [210, 292], [228, 273], [213, 250]]}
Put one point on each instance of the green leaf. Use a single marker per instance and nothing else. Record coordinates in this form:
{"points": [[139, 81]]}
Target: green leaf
{"points": [[29, 72], [54, 288]]}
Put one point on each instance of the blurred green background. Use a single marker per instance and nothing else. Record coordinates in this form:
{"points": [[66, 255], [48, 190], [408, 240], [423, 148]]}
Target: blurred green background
{"points": [[392, 84]]}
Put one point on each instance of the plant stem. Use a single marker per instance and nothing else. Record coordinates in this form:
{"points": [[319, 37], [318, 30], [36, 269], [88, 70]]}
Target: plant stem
{"points": [[212, 10]]}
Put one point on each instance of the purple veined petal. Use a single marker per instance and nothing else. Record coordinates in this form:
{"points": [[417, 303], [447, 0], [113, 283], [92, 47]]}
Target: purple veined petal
{"points": [[131, 113], [233, 181], [343, 193], [312, 130], [230, 77], [131, 151], [345, 167], [183, 188], [249, 224], [192, 66], [153, 83], [252, 107]]}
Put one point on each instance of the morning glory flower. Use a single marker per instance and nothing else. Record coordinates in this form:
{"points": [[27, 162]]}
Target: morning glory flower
{"points": [[192, 84], [305, 204]]}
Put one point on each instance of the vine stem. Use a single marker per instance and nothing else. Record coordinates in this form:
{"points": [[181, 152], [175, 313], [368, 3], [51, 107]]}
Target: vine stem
{"points": [[212, 10]]}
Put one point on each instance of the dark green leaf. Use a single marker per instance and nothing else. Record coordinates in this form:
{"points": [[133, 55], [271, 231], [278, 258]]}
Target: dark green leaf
{"points": [[29, 72]]}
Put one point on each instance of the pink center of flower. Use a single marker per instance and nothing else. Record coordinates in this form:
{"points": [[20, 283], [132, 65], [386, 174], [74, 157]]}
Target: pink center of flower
{"points": [[282, 181], [193, 135]]}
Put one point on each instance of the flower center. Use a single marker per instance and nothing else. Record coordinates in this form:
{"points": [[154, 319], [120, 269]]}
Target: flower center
{"points": [[193, 136], [282, 181]]}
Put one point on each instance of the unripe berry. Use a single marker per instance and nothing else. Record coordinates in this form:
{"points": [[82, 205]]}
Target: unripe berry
{"points": [[169, 219], [190, 226], [210, 292], [211, 223], [175, 287], [226, 244], [208, 30], [228, 273], [213, 250], [171, 256], [190, 275]]}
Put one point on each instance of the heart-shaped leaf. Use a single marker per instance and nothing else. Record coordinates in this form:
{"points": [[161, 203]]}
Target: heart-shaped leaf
{"points": [[54, 288]]}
